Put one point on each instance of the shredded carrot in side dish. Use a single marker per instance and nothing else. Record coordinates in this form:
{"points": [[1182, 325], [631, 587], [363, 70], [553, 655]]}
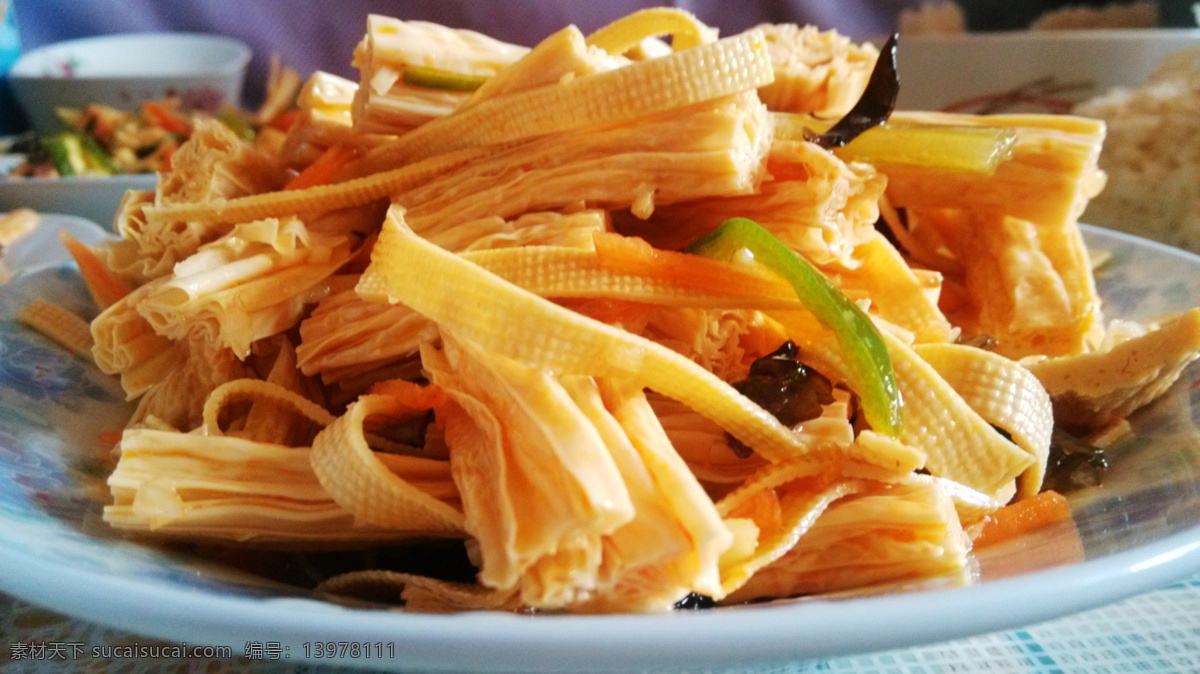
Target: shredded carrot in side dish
{"points": [[1022, 517], [163, 117], [417, 312]]}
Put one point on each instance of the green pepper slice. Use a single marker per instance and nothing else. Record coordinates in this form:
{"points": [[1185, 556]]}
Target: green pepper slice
{"points": [[436, 78], [948, 147], [95, 156], [237, 123], [74, 154], [866, 353], [66, 153]]}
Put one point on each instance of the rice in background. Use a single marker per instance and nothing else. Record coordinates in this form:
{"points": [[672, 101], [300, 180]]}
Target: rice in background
{"points": [[1152, 155]]}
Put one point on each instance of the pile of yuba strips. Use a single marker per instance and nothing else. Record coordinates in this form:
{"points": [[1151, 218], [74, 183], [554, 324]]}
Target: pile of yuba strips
{"points": [[512, 296]]}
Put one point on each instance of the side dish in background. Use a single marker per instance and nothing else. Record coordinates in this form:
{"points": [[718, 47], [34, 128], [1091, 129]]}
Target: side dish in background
{"points": [[1152, 154], [85, 164], [102, 140], [124, 70], [632, 336]]}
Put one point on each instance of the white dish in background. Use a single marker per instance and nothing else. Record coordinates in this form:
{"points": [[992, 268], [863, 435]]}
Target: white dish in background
{"points": [[93, 198], [1138, 532], [127, 69], [939, 70]]}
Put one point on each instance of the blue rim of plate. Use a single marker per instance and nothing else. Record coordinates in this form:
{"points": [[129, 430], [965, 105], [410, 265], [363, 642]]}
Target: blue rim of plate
{"points": [[179, 602]]}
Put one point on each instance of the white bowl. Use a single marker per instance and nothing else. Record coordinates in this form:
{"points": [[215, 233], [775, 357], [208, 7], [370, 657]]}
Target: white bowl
{"points": [[125, 70], [939, 70], [94, 198]]}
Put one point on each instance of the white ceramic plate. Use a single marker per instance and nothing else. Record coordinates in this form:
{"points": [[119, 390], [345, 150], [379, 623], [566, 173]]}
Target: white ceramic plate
{"points": [[1138, 532], [43, 248]]}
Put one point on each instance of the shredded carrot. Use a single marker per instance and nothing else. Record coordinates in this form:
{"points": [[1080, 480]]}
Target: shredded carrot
{"points": [[1023, 516], [607, 309], [105, 286], [323, 169], [168, 155], [163, 118], [109, 439], [633, 255], [285, 121], [410, 394]]}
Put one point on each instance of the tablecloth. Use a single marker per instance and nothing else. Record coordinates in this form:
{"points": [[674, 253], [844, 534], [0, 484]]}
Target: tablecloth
{"points": [[1158, 631]]}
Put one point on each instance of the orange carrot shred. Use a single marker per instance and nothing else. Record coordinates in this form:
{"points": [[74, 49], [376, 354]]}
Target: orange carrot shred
{"points": [[1023, 516], [105, 287], [168, 155], [633, 255], [607, 309], [165, 119], [285, 121], [323, 169], [109, 439]]}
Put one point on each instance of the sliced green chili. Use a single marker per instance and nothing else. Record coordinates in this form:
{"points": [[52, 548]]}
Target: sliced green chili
{"points": [[66, 153], [95, 156], [237, 123], [74, 154], [436, 78], [866, 353], [948, 147]]}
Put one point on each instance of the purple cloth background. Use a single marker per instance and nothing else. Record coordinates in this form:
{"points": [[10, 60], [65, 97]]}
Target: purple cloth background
{"points": [[321, 34]]}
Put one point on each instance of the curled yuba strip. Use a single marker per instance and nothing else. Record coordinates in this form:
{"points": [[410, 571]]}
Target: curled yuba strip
{"points": [[360, 481], [620, 36], [1005, 394], [254, 390], [782, 501]]}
